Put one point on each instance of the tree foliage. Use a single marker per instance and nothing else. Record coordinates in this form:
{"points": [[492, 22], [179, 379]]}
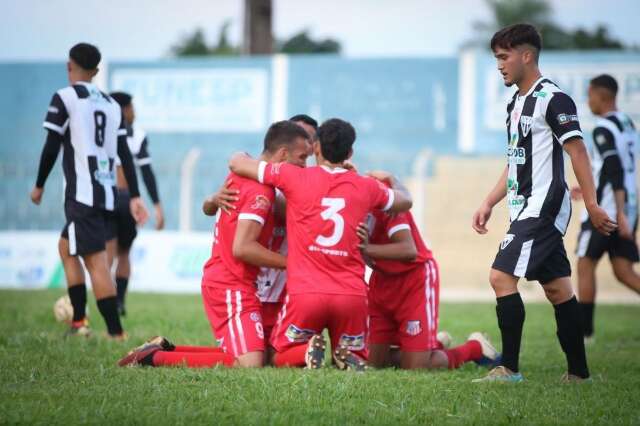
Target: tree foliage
{"points": [[539, 13]]}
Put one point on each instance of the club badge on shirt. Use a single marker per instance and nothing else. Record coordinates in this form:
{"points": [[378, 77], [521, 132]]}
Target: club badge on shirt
{"points": [[261, 203]]}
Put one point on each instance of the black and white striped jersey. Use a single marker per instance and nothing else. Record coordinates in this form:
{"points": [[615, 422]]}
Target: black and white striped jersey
{"points": [[138, 145], [613, 162], [538, 124], [89, 122]]}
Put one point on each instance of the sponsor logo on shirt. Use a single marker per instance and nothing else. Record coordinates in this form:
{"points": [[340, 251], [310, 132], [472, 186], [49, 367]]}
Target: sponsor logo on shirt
{"points": [[525, 124], [261, 203], [413, 328], [255, 317], [53, 110], [505, 242], [601, 140], [330, 252], [540, 94], [353, 343], [298, 335], [517, 155], [566, 118]]}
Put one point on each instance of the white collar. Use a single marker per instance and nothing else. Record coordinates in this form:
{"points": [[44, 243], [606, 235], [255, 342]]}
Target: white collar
{"points": [[332, 171]]}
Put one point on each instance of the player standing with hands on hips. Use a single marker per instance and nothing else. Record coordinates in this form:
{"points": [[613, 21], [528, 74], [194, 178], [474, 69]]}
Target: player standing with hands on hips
{"points": [[542, 124]]}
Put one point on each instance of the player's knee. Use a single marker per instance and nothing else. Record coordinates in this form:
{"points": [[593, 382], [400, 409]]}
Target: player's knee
{"points": [[558, 293], [251, 360], [622, 275], [501, 282]]}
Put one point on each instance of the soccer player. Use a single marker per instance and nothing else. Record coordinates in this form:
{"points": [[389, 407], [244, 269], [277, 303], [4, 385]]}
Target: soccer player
{"points": [[241, 237], [89, 127], [125, 224], [325, 270], [612, 157], [404, 299], [542, 124]]}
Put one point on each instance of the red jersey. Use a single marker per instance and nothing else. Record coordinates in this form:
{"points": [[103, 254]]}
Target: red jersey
{"points": [[223, 270], [324, 207], [382, 226]]}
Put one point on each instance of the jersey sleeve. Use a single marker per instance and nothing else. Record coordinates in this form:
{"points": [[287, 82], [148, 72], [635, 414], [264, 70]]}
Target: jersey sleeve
{"points": [[256, 203], [395, 223], [280, 175], [142, 157], [57, 118], [612, 170], [381, 197], [562, 117], [604, 142], [122, 129]]}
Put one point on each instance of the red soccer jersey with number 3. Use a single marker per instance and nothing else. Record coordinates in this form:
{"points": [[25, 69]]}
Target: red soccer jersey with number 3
{"points": [[324, 207]]}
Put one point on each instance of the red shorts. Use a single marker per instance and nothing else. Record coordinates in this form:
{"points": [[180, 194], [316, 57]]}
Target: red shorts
{"points": [[403, 308], [270, 311], [236, 319], [304, 315]]}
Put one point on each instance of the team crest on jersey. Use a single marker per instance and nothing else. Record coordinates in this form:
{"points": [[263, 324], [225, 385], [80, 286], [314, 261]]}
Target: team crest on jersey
{"points": [[298, 335], [505, 242], [413, 328], [353, 343], [601, 140], [275, 168], [525, 124], [255, 317], [261, 203]]}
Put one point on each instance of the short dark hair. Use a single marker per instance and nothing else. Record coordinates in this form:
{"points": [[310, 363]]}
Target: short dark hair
{"points": [[282, 133], [86, 55], [123, 99], [304, 118], [517, 35], [605, 81], [336, 139]]}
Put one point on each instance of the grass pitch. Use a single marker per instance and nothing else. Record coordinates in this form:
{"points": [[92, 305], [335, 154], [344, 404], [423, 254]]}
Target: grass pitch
{"points": [[46, 379]]}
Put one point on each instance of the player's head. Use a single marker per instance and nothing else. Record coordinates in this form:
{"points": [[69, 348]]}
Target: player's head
{"points": [[307, 123], [286, 141], [126, 105], [83, 62], [336, 138], [517, 49], [603, 90]]}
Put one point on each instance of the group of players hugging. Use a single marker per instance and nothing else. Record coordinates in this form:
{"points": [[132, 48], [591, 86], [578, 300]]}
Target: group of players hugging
{"points": [[291, 241]]}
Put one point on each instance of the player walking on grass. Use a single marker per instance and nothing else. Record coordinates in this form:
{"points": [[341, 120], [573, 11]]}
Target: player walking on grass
{"points": [[125, 223], [542, 124], [241, 236], [613, 159], [325, 285], [404, 299], [89, 127]]}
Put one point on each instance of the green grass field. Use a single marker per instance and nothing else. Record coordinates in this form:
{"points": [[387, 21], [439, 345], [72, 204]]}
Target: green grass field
{"points": [[49, 380]]}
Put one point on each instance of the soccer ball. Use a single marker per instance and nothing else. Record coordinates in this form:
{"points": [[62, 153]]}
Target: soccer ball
{"points": [[63, 310], [445, 339]]}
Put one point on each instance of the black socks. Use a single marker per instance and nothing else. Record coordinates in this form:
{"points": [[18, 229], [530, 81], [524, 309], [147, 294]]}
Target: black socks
{"points": [[510, 311], [587, 318], [109, 309], [78, 296], [570, 335]]}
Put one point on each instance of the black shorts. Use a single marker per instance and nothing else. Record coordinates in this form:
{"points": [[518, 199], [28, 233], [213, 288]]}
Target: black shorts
{"points": [[125, 224], [87, 228], [533, 248], [593, 244]]}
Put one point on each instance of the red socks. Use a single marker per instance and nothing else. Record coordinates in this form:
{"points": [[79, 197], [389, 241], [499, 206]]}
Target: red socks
{"points": [[192, 359], [197, 349], [293, 357], [469, 351]]}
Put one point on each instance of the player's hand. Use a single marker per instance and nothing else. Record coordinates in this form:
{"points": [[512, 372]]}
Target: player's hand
{"points": [[600, 220], [576, 193], [348, 164], [138, 210], [381, 175], [363, 234], [36, 195], [225, 197], [624, 230], [480, 219], [159, 216]]}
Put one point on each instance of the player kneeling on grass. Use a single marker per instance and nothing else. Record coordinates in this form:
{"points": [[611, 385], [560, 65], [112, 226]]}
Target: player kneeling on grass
{"points": [[404, 299], [325, 285], [228, 284]]}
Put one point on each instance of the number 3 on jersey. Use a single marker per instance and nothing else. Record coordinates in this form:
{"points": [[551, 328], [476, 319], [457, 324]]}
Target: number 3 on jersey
{"points": [[333, 206]]}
